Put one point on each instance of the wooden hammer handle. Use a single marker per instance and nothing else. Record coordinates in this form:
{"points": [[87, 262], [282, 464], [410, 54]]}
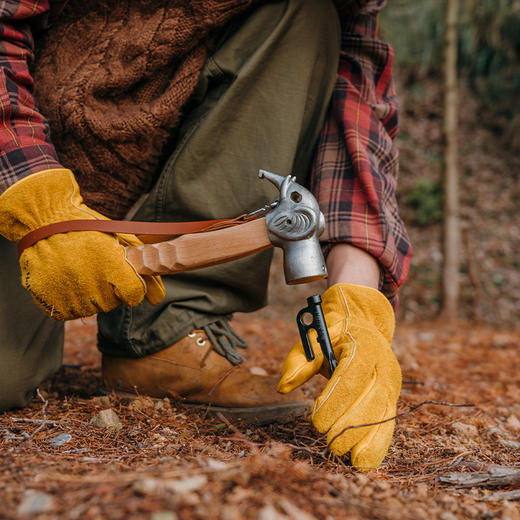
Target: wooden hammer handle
{"points": [[198, 250]]}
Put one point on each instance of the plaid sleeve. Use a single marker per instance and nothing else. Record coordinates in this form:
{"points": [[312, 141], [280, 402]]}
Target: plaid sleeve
{"points": [[25, 146], [356, 163]]}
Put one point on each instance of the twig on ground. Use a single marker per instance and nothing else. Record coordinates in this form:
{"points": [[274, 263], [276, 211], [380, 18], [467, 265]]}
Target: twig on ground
{"points": [[506, 495], [450, 459], [497, 476], [38, 421], [231, 426], [402, 414], [44, 421]]}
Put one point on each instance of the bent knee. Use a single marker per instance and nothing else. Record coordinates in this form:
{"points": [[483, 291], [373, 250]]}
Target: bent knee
{"points": [[15, 391], [319, 16], [18, 381]]}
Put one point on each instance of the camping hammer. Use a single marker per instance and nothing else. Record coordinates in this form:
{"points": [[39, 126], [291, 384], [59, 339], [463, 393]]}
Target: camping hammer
{"points": [[293, 222]]}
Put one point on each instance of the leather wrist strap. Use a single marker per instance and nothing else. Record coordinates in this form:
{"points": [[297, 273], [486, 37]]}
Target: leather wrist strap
{"points": [[147, 232]]}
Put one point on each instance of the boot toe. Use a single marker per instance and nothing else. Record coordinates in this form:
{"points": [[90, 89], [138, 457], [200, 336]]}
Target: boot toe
{"points": [[191, 372]]}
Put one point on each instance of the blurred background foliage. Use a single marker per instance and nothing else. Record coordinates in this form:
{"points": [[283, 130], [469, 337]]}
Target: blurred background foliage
{"points": [[489, 45], [425, 197], [489, 152]]}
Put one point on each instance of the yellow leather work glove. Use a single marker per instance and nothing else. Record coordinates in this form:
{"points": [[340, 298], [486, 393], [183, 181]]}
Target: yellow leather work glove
{"points": [[366, 383], [75, 274]]}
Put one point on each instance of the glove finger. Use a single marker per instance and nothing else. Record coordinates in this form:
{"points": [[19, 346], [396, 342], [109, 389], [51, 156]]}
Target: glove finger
{"points": [[296, 369], [345, 433], [44, 285], [155, 291], [131, 292], [115, 284], [353, 378], [371, 450]]}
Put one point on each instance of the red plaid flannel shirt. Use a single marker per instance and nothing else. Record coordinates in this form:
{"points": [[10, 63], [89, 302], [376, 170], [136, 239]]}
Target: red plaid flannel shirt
{"points": [[355, 167]]}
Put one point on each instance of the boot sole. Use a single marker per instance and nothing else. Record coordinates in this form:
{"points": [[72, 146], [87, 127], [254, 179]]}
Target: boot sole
{"points": [[282, 413], [261, 415]]}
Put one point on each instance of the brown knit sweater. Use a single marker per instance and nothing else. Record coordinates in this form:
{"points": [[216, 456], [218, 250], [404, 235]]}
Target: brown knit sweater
{"points": [[112, 77]]}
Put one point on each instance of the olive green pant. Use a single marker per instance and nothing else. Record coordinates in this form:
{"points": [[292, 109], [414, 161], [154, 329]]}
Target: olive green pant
{"points": [[260, 104]]}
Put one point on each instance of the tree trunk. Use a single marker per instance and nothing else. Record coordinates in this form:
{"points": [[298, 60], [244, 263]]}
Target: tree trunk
{"points": [[451, 228]]}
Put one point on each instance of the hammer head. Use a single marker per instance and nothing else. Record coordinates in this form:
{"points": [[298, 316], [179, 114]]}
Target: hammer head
{"points": [[295, 225]]}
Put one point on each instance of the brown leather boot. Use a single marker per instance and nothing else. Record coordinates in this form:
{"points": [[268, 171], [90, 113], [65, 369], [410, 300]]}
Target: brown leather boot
{"points": [[191, 371]]}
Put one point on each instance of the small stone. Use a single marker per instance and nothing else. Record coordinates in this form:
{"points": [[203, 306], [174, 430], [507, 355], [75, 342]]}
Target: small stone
{"points": [[101, 400], [258, 371], [60, 439], [34, 503], [106, 419], [464, 431], [513, 422], [141, 404]]}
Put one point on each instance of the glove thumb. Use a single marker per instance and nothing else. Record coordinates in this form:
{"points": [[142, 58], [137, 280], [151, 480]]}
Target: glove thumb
{"points": [[296, 369]]}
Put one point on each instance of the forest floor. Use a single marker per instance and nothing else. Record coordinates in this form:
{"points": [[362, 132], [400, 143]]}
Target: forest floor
{"points": [[164, 461]]}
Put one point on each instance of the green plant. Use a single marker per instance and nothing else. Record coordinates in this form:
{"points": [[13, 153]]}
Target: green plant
{"points": [[426, 200]]}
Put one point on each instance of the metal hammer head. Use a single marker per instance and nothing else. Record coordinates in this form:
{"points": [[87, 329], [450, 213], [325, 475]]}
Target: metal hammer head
{"points": [[295, 225]]}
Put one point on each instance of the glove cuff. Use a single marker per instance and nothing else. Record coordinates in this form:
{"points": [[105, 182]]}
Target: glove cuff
{"points": [[362, 303]]}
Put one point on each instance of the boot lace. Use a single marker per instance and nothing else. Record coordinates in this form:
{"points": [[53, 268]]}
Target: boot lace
{"points": [[225, 340]]}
